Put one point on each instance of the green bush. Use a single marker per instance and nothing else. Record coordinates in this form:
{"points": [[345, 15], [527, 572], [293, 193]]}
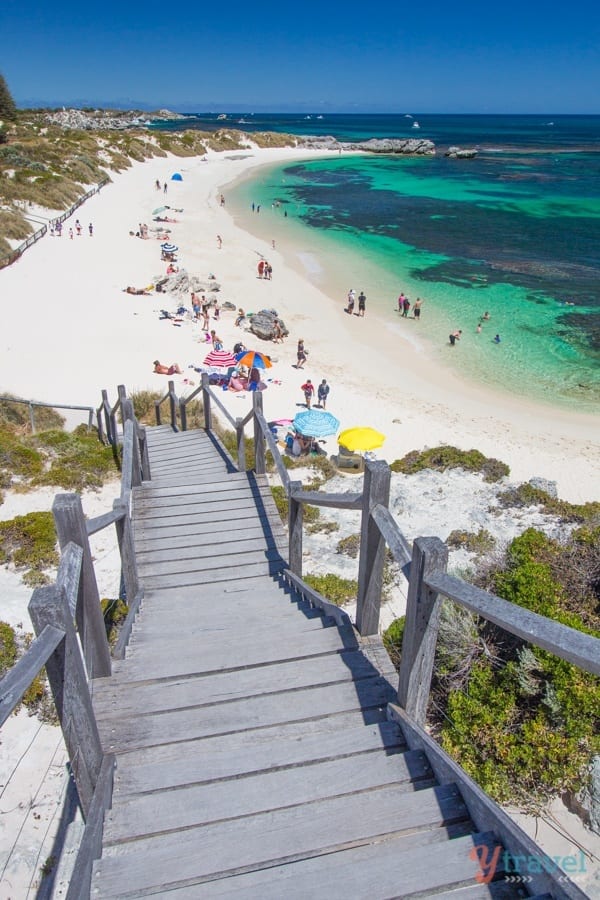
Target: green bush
{"points": [[75, 460], [479, 542], [521, 721], [337, 590], [29, 541], [114, 612], [392, 639], [349, 546], [528, 495], [445, 457]]}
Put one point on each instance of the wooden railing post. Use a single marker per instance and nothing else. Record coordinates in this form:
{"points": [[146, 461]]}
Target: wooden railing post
{"points": [[173, 405], [241, 444], [206, 401], [295, 520], [69, 685], [183, 413], [129, 572], [423, 607], [376, 491], [70, 526], [259, 441], [136, 462], [146, 474]]}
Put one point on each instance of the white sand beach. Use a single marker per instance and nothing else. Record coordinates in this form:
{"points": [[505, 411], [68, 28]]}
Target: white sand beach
{"points": [[69, 330]]}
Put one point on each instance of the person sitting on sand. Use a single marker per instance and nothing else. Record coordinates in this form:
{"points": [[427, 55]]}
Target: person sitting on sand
{"points": [[173, 369], [277, 332], [171, 269], [133, 290], [240, 316]]}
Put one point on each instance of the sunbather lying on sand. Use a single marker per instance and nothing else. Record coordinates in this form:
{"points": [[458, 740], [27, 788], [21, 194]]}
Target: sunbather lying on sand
{"points": [[163, 219], [133, 290], [173, 369]]}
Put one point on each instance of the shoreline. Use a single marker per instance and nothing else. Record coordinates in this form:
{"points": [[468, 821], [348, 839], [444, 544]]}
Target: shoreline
{"points": [[73, 332]]}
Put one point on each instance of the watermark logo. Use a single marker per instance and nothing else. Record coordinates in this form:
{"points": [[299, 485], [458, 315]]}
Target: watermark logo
{"points": [[523, 866]]}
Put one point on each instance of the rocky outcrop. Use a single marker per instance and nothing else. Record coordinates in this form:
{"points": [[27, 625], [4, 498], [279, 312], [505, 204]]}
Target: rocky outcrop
{"points": [[182, 282], [262, 324], [408, 147], [106, 120], [458, 153]]}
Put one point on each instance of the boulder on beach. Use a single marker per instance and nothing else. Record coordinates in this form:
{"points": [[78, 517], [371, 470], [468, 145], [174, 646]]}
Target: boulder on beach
{"points": [[183, 283], [262, 324]]}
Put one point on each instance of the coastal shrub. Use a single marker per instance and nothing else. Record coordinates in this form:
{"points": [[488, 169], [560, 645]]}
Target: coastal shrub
{"points": [[114, 612], [17, 459], [521, 721], [392, 640], [8, 109], [337, 590], [74, 460], [13, 225], [527, 495], [323, 526], [29, 542], [349, 546], [446, 457], [478, 542], [35, 697], [311, 513], [143, 406]]}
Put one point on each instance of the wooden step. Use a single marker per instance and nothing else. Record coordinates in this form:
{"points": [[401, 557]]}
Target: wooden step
{"points": [[202, 853]]}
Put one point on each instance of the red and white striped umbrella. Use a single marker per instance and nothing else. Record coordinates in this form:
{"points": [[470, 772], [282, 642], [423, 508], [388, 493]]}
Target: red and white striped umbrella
{"points": [[220, 359]]}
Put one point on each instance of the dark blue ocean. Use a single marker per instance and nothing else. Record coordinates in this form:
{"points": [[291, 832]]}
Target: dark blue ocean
{"points": [[515, 232]]}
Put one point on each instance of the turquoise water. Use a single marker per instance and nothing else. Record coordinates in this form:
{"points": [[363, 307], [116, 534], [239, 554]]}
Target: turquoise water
{"points": [[515, 231], [484, 235]]}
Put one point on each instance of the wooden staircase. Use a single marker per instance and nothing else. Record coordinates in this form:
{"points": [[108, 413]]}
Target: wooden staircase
{"points": [[254, 754]]}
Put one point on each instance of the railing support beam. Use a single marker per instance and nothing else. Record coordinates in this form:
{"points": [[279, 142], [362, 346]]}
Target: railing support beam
{"points": [[71, 526], [423, 607], [376, 491], [295, 519], [260, 466]]}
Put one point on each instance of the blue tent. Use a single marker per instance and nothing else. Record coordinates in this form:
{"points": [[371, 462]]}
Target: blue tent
{"points": [[176, 177]]}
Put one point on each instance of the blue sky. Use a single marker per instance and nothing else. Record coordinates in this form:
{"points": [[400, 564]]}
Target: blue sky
{"points": [[352, 56]]}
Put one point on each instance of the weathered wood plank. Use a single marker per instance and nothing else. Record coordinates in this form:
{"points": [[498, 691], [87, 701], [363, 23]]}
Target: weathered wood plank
{"points": [[204, 508], [218, 574], [409, 866], [177, 693], [18, 679], [190, 538], [204, 804], [218, 518], [200, 854], [241, 715], [263, 750], [225, 484], [222, 547], [240, 654]]}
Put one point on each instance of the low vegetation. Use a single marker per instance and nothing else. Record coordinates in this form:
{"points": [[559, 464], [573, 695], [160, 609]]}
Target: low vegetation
{"points": [[36, 697], [338, 590], [528, 495], [445, 457], [29, 543], [521, 721], [478, 542]]}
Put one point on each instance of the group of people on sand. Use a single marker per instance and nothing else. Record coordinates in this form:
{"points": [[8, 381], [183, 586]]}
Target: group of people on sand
{"points": [[404, 306], [351, 302], [265, 270], [308, 389]]}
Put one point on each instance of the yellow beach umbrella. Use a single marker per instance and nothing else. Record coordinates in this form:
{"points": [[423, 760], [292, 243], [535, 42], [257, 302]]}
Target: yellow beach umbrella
{"points": [[361, 439]]}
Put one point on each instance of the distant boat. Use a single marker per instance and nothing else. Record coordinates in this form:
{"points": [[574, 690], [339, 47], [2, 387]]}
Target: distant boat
{"points": [[319, 117], [308, 117], [407, 116], [549, 123], [221, 116], [243, 122], [416, 125]]}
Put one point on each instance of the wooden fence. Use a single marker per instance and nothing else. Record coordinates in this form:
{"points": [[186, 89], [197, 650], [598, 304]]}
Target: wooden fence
{"points": [[71, 640], [32, 404], [15, 254]]}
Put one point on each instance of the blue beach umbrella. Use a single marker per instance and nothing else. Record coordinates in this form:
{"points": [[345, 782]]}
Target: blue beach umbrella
{"points": [[169, 248], [176, 177], [314, 423]]}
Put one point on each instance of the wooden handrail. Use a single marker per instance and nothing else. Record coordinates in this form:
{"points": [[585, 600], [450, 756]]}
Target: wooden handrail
{"points": [[18, 679], [583, 650], [333, 501], [34, 403], [100, 522], [90, 847]]}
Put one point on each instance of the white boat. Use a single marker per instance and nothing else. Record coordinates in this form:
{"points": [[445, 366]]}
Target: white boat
{"points": [[407, 116], [416, 125], [319, 117], [221, 116]]}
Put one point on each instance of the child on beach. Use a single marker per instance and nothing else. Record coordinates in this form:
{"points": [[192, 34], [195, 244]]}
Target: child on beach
{"points": [[309, 390], [323, 393], [301, 354]]}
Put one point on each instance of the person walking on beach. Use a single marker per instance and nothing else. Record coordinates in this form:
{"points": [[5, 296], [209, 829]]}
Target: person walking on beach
{"points": [[454, 337], [405, 307], [401, 299], [277, 332], [309, 390], [219, 241], [91, 230], [78, 227], [157, 184], [322, 394], [351, 297], [71, 233], [216, 341], [301, 354], [165, 188], [417, 308], [362, 303]]}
